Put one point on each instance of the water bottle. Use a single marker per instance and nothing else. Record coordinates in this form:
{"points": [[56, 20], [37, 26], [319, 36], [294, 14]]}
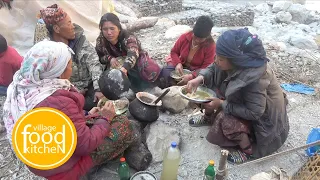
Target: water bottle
{"points": [[171, 163]]}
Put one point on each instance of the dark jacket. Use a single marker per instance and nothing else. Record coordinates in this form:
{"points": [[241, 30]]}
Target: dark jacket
{"points": [[88, 139], [86, 66], [253, 94]]}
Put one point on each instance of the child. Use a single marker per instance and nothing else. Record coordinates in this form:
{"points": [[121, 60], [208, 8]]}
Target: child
{"points": [[10, 62]]}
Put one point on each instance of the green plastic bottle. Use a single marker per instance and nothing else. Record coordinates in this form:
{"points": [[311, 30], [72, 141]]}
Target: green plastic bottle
{"points": [[123, 171], [210, 173]]}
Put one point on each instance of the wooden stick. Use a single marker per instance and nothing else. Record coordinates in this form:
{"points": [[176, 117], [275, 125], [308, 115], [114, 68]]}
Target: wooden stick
{"points": [[276, 154]]}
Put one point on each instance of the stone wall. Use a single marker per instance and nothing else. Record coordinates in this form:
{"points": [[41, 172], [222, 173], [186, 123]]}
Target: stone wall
{"points": [[233, 17], [221, 17], [156, 7]]}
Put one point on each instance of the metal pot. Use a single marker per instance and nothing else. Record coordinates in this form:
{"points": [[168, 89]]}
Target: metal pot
{"points": [[145, 107]]}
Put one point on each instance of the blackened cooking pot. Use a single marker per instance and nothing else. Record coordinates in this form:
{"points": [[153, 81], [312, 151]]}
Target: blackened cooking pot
{"points": [[145, 107]]}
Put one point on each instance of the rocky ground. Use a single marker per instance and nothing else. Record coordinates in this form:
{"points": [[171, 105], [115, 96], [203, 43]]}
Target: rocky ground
{"points": [[291, 38]]}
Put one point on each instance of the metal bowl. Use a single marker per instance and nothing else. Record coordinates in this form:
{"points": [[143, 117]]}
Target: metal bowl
{"points": [[210, 92], [148, 99], [176, 76], [143, 175]]}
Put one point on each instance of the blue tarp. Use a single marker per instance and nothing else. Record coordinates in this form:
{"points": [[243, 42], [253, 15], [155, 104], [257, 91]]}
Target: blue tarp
{"points": [[299, 88]]}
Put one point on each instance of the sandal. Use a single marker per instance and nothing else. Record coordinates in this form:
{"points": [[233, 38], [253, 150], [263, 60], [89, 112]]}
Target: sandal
{"points": [[238, 157]]}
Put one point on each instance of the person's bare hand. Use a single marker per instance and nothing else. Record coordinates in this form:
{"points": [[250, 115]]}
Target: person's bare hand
{"points": [[214, 104], [185, 79], [108, 111], [193, 84], [124, 70], [94, 110], [83, 91], [98, 96], [179, 69], [114, 63]]}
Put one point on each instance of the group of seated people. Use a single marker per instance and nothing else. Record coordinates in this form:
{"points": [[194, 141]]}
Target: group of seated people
{"points": [[249, 113]]}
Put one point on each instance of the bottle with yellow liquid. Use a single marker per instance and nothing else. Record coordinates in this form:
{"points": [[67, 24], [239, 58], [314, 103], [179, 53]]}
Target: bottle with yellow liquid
{"points": [[171, 163]]}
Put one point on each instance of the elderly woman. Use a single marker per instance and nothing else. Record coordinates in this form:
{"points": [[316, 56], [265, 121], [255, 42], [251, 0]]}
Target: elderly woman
{"points": [[249, 111], [42, 81], [194, 51], [119, 49], [86, 66]]}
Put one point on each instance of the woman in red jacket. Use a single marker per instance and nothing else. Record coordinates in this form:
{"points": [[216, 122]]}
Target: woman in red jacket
{"points": [[194, 50], [42, 81]]}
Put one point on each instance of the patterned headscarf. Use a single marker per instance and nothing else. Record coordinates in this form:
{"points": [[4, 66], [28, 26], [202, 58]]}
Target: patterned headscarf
{"points": [[52, 14], [36, 80]]}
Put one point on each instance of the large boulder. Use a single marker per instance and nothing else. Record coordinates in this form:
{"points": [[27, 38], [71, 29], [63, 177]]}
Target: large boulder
{"points": [[299, 13], [303, 2], [303, 42], [283, 17], [176, 31], [281, 6], [172, 101], [262, 8], [159, 137]]}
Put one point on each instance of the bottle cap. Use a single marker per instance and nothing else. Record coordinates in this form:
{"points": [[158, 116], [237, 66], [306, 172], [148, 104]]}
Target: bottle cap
{"points": [[211, 162], [122, 159], [173, 144]]}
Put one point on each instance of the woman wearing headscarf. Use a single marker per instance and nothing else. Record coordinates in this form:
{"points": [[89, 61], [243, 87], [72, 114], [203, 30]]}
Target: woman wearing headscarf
{"points": [[117, 48], [194, 51], [42, 81], [249, 112], [57, 26]]}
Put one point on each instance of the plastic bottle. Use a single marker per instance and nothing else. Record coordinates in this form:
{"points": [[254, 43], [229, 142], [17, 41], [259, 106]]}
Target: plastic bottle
{"points": [[210, 173], [123, 170], [171, 163]]}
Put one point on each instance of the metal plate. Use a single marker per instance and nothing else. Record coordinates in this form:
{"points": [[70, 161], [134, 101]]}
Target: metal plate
{"points": [[176, 76], [200, 88], [148, 99], [145, 174]]}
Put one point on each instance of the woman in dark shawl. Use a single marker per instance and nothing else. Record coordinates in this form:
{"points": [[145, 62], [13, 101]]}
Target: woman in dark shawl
{"points": [[249, 112]]}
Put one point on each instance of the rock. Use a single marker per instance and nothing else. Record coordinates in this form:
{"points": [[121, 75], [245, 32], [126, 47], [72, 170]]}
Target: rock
{"points": [[172, 101], [176, 31], [156, 7], [126, 19], [165, 23], [138, 157], [282, 46], [303, 42], [159, 137], [134, 7], [304, 28], [299, 13], [303, 2], [262, 8], [281, 6], [123, 9], [283, 17], [142, 23]]}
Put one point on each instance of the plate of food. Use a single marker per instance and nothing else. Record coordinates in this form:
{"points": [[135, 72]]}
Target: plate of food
{"points": [[175, 75], [201, 95], [121, 60]]}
